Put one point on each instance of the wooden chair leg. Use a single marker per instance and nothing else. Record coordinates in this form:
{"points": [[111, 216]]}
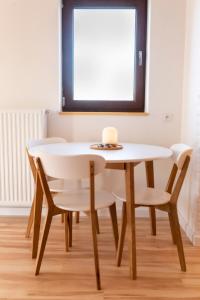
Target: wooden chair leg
{"points": [[30, 220], [179, 242], [70, 222], [122, 235], [43, 242], [66, 220], [95, 249], [152, 212], [97, 222], [62, 218], [150, 183], [113, 215], [37, 218], [172, 227], [77, 217]]}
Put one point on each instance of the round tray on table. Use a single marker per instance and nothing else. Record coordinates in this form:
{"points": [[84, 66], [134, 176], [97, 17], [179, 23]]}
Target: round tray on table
{"points": [[106, 147]]}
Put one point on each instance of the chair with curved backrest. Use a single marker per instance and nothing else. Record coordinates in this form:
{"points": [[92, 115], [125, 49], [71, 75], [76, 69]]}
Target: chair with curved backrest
{"points": [[88, 200], [55, 185], [163, 200]]}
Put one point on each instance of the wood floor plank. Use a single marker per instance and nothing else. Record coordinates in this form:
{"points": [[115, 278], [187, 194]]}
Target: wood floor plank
{"points": [[70, 276]]}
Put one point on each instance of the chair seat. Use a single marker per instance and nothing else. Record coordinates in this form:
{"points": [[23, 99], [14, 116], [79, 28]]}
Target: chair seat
{"points": [[79, 200], [148, 197]]}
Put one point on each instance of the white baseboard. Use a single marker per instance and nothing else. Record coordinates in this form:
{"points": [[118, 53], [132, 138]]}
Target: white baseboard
{"points": [[141, 212], [14, 211]]}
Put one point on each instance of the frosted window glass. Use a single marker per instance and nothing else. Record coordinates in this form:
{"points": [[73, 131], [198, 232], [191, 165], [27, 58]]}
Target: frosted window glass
{"points": [[104, 54]]}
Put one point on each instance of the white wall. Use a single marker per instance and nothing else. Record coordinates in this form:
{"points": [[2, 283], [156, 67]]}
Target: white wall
{"points": [[30, 73], [30, 77], [29, 70], [190, 209]]}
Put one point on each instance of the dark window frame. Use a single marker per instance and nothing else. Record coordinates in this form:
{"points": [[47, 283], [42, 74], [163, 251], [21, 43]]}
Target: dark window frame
{"points": [[68, 104]]}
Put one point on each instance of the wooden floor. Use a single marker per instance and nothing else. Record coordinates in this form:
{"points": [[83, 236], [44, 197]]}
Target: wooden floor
{"points": [[70, 276]]}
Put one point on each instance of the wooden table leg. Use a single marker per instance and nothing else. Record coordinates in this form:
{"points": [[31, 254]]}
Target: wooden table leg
{"points": [[129, 176], [150, 183], [37, 217]]}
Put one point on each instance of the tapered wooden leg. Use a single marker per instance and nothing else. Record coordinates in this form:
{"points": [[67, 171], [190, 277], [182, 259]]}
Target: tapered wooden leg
{"points": [[30, 219], [122, 235], [130, 212], [172, 227], [77, 217], [70, 222], [150, 183], [95, 249], [97, 222], [77, 214], [66, 219], [37, 217], [62, 218], [43, 242], [113, 215], [179, 242], [152, 213]]}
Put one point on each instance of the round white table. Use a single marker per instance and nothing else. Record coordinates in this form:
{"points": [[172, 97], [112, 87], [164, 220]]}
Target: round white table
{"points": [[125, 159], [129, 153]]}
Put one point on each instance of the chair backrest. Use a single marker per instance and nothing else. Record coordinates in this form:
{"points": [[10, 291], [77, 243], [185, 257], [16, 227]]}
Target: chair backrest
{"points": [[180, 152], [69, 167], [37, 142], [181, 157]]}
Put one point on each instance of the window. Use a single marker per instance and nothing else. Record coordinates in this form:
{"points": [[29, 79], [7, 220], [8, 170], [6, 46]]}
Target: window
{"points": [[104, 55]]}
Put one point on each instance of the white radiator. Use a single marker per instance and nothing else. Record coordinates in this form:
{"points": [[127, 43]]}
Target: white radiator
{"points": [[16, 129]]}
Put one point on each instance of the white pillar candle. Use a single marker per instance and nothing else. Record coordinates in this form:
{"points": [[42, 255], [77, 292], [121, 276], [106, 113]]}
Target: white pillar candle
{"points": [[110, 136]]}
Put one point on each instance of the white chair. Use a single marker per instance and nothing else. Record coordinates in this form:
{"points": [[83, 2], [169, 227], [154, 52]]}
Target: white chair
{"points": [[163, 200], [88, 200], [54, 185]]}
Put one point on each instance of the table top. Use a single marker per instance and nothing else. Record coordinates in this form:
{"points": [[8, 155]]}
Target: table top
{"points": [[130, 152]]}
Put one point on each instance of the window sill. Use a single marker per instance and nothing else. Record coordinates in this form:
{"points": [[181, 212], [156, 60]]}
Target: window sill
{"points": [[136, 114]]}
